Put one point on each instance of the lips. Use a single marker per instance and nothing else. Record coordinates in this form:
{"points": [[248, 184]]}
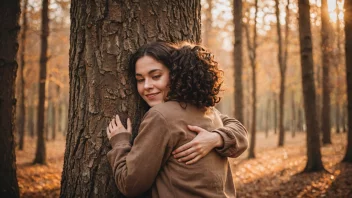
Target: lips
{"points": [[151, 96]]}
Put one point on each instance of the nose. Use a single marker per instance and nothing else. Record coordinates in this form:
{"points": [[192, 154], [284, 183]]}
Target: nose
{"points": [[148, 84]]}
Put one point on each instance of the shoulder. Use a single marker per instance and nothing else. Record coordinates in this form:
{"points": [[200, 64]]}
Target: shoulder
{"points": [[167, 108]]}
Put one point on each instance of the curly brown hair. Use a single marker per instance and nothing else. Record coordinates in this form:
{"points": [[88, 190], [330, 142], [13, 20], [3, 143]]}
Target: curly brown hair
{"points": [[195, 77], [194, 74]]}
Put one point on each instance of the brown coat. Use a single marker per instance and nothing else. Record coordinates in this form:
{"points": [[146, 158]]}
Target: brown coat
{"points": [[150, 164]]}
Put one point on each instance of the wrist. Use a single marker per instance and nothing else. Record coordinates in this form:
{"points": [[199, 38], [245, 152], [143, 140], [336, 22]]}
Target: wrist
{"points": [[219, 141]]}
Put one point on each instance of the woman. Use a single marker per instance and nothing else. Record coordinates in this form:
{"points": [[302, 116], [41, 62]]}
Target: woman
{"points": [[181, 86]]}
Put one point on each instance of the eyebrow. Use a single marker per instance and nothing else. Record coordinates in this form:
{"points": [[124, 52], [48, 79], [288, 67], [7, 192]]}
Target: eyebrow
{"points": [[151, 71]]}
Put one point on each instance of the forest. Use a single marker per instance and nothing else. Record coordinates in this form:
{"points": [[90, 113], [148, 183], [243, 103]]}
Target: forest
{"points": [[287, 78]]}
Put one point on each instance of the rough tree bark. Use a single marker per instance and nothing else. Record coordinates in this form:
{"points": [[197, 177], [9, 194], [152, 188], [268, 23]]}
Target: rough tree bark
{"points": [[348, 52], [22, 115], [237, 17], [326, 47], [314, 162], [40, 155], [252, 47], [9, 28], [103, 36]]}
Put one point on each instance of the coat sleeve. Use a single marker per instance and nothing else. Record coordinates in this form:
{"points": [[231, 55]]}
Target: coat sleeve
{"points": [[136, 167], [234, 135]]}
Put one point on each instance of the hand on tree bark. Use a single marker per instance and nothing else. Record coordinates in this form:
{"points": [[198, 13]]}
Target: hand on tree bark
{"points": [[115, 127]]}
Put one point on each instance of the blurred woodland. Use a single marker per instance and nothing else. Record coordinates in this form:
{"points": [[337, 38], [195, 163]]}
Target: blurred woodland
{"points": [[284, 64]]}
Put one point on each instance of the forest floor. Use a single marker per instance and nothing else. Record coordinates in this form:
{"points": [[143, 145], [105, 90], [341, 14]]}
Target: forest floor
{"points": [[275, 172]]}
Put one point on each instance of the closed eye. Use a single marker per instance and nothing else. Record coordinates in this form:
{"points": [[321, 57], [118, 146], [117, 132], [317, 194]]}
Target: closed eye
{"points": [[140, 80], [156, 77]]}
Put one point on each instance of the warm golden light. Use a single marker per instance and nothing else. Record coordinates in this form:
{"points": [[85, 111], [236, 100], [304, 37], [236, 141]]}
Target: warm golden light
{"points": [[333, 7]]}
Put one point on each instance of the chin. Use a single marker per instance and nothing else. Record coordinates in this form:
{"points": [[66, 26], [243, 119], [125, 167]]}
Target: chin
{"points": [[152, 104]]}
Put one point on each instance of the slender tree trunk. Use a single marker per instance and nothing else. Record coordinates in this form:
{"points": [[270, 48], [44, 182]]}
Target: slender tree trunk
{"points": [[30, 121], [53, 122], [293, 122], [252, 46], [337, 118], [267, 116], [326, 63], [9, 28], [337, 69], [282, 68], [275, 113], [103, 35], [314, 162], [238, 60], [348, 52], [40, 155], [344, 117], [21, 105]]}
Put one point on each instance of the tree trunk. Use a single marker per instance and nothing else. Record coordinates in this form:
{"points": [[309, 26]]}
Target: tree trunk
{"points": [[326, 63], [252, 46], [21, 118], [40, 155], [314, 162], [337, 118], [103, 36], [267, 116], [337, 69], [348, 52], [345, 115], [9, 28], [53, 120], [239, 115], [282, 68], [30, 121], [275, 113], [293, 122]]}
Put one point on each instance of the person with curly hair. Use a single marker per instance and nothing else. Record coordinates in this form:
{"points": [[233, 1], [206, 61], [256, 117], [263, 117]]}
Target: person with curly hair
{"points": [[180, 83]]}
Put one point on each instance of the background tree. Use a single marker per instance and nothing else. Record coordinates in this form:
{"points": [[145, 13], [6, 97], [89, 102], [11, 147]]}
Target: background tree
{"points": [[9, 28], [103, 36], [282, 67], [21, 97], [326, 47], [252, 47], [40, 156], [348, 48], [238, 62], [314, 162]]}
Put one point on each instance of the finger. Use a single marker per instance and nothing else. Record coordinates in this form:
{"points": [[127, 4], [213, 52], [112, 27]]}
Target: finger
{"points": [[108, 132], [195, 128], [113, 123], [185, 153], [110, 126], [188, 157], [183, 148], [118, 121], [129, 125], [194, 160]]}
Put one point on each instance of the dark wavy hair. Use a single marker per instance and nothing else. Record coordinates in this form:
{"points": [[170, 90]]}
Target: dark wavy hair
{"points": [[195, 77], [194, 74]]}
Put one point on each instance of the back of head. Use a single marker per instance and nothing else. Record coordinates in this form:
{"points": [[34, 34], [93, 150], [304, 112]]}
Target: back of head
{"points": [[194, 77]]}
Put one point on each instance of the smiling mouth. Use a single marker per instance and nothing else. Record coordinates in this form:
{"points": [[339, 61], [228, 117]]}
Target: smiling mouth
{"points": [[151, 96]]}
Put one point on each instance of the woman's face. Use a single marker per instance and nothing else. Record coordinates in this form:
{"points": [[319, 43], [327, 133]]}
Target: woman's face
{"points": [[152, 80]]}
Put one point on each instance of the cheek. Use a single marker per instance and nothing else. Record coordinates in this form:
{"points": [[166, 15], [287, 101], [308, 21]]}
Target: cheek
{"points": [[140, 89]]}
